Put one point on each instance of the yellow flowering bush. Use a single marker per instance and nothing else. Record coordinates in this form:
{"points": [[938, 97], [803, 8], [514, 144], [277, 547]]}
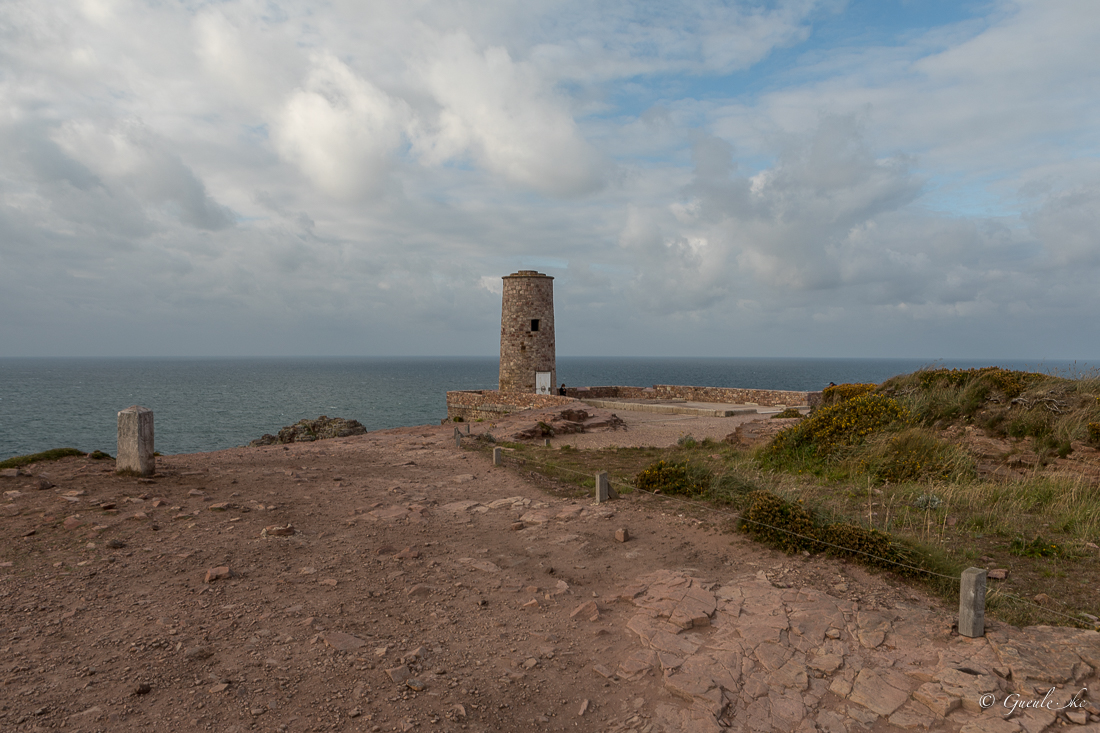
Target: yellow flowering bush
{"points": [[1094, 433], [845, 423], [841, 392], [1011, 383]]}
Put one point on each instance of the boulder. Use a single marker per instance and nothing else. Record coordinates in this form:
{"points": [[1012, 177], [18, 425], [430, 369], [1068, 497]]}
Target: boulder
{"points": [[305, 431]]}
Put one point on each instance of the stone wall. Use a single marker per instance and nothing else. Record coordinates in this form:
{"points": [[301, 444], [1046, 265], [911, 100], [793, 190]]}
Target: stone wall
{"points": [[524, 348], [726, 395], [490, 404]]}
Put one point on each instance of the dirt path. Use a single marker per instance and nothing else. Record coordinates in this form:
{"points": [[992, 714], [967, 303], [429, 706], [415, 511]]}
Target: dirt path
{"points": [[424, 589]]}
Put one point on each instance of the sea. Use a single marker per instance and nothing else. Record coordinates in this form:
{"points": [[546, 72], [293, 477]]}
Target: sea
{"points": [[207, 404]]}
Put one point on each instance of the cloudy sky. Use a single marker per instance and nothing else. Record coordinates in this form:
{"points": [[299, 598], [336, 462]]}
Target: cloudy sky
{"points": [[909, 178]]}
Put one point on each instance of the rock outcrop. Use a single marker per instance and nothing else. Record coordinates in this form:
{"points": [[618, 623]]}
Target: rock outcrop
{"points": [[567, 421], [305, 431]]}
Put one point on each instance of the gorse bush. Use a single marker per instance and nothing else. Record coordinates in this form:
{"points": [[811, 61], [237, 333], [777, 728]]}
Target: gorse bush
{"points": [[842, 424], [792, 527], [788, 413], [674, 477], [1011, 383], [840, 392]]}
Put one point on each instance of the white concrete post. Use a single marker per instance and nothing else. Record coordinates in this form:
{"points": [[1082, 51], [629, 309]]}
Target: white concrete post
{"points": [[458, 438], [498, 456], [972, 603], [135, 441]]}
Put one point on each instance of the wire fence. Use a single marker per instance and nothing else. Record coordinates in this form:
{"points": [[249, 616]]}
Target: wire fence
{"points": [[710, 508]]}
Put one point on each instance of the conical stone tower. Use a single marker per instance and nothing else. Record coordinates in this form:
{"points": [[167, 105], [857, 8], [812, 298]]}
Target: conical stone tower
{"points": [[527, 360]]}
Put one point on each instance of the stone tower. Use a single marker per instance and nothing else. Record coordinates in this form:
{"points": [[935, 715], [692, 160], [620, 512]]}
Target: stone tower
{"points": [[527, 362]]}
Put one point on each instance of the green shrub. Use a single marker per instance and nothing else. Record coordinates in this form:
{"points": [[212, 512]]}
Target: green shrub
{"points": [[1037, 547], [687, 441], [1010, 383], [789, 412], [846, 423], [674, 477], [49, 455], [780, 523], [98, 455], [838, 393], [1094, 433], [791, 527]]}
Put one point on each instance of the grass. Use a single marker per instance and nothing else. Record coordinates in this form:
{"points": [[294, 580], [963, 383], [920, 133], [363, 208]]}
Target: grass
{"points": [[49, 455]]}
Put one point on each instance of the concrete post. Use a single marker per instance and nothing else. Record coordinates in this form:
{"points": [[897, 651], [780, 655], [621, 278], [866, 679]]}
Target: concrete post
{"points": [[135, 441], [458, 438], [498, 456], [972, 603], [603, 488], [467, 428], [545, 442]]}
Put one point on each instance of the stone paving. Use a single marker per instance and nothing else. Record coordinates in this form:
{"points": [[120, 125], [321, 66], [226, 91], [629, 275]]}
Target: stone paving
{"points": [[747, 655], [750, 656]]}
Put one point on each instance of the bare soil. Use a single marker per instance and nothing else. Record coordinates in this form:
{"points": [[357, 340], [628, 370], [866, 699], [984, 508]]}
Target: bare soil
{"points": [[409, 597]]}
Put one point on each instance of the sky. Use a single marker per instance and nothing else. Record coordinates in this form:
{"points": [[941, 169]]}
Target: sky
{"points": [[805, 178]]}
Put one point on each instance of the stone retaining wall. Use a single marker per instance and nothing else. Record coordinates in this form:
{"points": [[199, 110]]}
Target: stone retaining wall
{"points": [[489, 404], [726, 395]]}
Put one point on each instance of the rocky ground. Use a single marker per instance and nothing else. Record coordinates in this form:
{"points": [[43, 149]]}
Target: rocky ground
{"points": [[421, 588]]}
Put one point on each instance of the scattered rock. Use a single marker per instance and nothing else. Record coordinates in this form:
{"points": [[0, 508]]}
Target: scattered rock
{"points": [[399, 674], [142, 689], [622, 535], [44, 483], [72, 523], [221, 572], [587, 610], [342, 642], [276, 530], [997, 574]]}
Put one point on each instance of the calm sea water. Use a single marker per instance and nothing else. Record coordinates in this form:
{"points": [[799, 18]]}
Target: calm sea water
{"points": [[209, 404]]}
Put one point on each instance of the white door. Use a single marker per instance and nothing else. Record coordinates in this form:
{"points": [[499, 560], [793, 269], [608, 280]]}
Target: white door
{"points": [[542, 383]]}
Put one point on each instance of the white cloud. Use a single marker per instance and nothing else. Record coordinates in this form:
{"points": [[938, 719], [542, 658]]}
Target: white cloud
{"points": [[364, 172], [506, 117], [340, 130]]}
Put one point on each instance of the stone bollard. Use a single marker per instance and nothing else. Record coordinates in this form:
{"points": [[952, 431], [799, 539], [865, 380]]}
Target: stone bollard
{"points": [[545, 442], [458, 438], [467, 428], [603, 488], [498, 456], [135, 441], [972, 603]]}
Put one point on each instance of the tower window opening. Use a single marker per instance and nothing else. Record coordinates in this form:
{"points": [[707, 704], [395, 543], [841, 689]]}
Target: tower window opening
{"points": [[534, 324]]}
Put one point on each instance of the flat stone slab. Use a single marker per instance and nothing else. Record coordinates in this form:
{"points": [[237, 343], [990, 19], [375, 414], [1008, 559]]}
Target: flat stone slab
{"points": [[770, 658], [1046, 654]]}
